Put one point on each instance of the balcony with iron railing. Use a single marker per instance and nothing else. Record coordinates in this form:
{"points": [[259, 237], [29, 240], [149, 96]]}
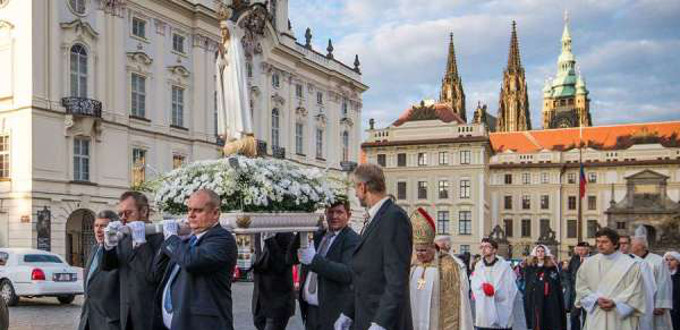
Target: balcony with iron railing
{"points": [[278, 152], [82, 106]]}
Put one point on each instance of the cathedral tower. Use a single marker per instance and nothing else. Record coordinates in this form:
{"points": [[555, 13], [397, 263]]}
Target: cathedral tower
{"points": [[452, 87], [565, 98], [513, 107]]}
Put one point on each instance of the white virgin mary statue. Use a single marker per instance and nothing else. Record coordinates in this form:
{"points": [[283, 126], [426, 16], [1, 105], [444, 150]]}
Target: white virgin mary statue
{"points": [[234, 123]]}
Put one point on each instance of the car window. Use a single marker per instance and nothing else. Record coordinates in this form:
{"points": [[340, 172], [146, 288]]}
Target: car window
{"points": [[41, 258], [3, 258]]}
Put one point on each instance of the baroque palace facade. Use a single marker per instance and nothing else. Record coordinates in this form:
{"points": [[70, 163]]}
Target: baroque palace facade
{"points": [[522, 185], [98, 96]]}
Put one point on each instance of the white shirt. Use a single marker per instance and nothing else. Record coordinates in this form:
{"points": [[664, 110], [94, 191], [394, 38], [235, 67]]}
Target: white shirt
{"points": [[167, 317], [374, 209], [313, 298]]}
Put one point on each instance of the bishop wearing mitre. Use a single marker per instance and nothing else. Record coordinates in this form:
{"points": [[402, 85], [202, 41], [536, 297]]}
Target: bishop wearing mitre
{"points": [[438, 284]]}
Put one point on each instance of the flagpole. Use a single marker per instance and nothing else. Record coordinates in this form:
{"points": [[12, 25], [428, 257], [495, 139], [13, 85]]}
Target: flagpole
{"points": [[579, 221]]}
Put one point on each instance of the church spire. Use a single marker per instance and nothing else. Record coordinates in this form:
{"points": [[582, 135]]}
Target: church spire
{"points": [[451, 65], [452, 87], [514, 62], [513, 107]]}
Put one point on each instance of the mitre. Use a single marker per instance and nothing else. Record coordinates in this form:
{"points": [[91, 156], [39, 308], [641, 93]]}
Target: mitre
{"points": [[423, 227]]}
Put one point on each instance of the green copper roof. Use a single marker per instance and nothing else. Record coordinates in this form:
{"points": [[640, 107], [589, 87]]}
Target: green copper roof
{"points": [[567, 82]]}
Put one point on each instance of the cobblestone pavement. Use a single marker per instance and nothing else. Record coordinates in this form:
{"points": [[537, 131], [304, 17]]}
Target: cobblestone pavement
{"points": [[47, 313]]}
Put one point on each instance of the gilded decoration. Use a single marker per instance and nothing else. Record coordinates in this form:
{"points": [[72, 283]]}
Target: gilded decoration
{"points": [[449, 298]]}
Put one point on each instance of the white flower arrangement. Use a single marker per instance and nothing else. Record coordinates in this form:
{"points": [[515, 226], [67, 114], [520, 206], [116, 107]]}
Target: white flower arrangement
{"points": [[248, 185]]}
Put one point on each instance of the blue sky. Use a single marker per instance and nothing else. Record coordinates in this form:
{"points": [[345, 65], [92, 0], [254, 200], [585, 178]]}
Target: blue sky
{"points": [[628, 51]]}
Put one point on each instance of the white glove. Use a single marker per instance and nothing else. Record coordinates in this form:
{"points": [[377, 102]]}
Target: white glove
{"points": [[306, 255], [266, 236], [111, 234], [375, 326], [138, 234], [342, 323], [170, 228]]}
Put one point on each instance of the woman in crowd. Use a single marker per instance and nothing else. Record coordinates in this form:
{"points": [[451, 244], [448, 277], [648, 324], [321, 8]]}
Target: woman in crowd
{"points": [[544, 300], [673, 260]]}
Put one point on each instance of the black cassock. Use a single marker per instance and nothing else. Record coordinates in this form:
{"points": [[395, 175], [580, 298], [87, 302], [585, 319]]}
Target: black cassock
{"points": [[544, 300], [675, 312]]}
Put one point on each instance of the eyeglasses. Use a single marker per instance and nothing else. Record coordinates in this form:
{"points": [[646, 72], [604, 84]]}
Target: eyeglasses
{"points": [[126, 213]]}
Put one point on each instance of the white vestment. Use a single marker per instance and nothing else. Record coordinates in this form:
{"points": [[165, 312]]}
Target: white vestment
{"points": [[425, 297], [424, 301], [649, 286], [616, 277], [663, 296], [233, 96], [495, 311]]}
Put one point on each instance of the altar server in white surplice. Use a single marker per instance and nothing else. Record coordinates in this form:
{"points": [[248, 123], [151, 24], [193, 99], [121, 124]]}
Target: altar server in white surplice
{"points": [[648, 282], [439, 284], [658, 315], [494, 288], [609, 286]]}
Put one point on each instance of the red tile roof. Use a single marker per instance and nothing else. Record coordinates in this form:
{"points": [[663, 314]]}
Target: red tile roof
{"points": [[442, 111], [600, 137]]}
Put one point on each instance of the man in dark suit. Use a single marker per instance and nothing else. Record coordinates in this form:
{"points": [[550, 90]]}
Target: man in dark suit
{"points": [[101, 308], [381, 262], [326, 273], [196, 289], [273, 295], [581, 252], [133, 257]]}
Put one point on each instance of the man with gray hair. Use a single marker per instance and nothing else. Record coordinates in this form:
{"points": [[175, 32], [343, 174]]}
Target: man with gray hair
{"points": [[657, 317], [443, 242], [101, 308], [381, 262]]}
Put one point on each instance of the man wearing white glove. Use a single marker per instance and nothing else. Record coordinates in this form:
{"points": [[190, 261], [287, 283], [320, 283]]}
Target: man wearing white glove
{"points": [[199, 270], [381, 262], [133, 256], [326, 276]]}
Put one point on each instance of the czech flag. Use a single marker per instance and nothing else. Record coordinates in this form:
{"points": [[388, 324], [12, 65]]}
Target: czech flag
{"points": [[582, 181]]}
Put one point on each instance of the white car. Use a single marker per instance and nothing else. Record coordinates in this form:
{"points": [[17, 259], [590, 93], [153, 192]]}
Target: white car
{"points": [[36, 273]]}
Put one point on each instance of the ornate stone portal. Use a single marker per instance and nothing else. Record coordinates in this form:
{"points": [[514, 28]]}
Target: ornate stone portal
{"points": [[647, 203]]}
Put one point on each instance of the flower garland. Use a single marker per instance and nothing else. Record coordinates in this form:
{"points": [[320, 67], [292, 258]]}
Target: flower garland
{"points": [[248, 185]]}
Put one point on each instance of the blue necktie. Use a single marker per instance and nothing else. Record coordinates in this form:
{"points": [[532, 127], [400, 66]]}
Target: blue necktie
{"points": [[94, 264], [167, 302]]}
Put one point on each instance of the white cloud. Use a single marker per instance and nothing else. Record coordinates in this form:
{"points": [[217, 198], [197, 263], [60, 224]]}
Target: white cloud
{"points": [[626, 49]]}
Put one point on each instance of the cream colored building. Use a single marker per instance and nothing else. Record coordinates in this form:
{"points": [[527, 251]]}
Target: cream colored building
{"points": [[534, 177], [97, 95], [525, 182], [444, 171]]}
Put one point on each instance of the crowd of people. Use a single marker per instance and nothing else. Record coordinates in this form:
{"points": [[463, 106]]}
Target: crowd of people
{"points": [[394, 274]]}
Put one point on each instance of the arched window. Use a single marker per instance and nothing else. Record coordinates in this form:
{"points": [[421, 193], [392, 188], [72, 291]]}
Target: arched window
{"points": [[345, 146], [275, 128], [78, 6], [78, 71]]}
